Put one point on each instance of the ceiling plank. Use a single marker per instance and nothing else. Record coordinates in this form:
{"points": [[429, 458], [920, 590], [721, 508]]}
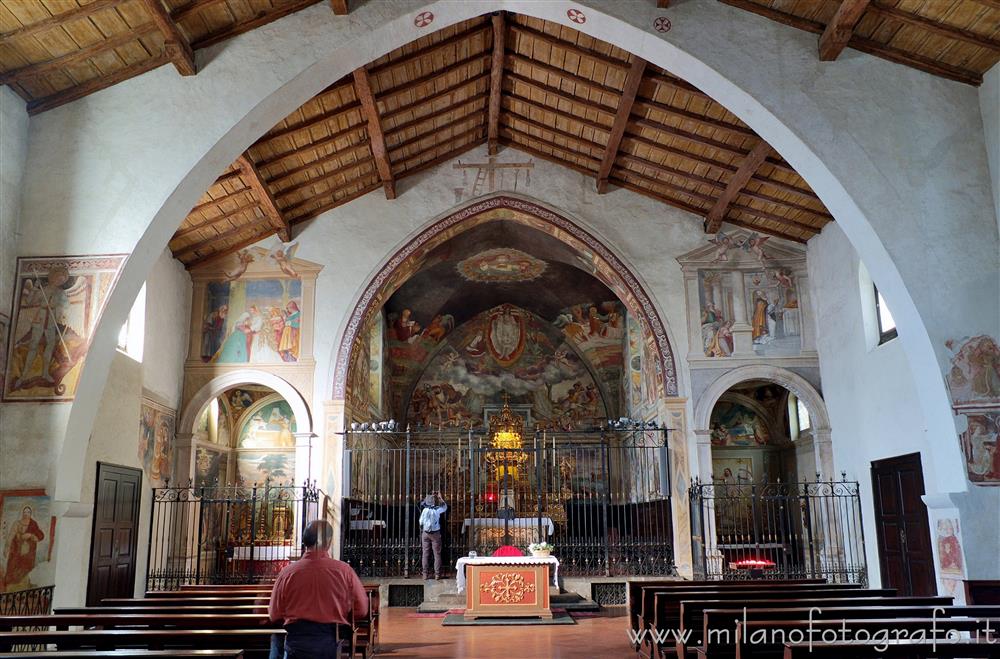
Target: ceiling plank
{"points": [[267, 203], [72, 57], [330, 205], [363, 91], [935, 26], [632, 82], [62, 18], [201, 260], [496, 82], [239, 210], [71, 94], [411, 58], [840, 29], [261, 231], [736, 183], [175, 44], [340, 7]]}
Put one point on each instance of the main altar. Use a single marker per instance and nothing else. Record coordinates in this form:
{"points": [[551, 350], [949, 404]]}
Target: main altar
{"points": [[507, 586]]}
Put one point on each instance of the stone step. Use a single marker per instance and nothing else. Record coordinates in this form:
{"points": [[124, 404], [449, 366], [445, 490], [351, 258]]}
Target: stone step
{"points": [[568, 601]]}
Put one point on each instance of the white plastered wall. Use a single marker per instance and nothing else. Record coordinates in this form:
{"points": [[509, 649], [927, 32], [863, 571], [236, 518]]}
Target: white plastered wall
{"points": [[854, 128]]}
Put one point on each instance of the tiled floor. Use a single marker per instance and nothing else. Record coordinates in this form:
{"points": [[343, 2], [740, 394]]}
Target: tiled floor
{"points": [[403, 636]]}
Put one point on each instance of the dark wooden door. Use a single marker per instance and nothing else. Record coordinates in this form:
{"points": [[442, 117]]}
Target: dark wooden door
{"points": [[116, 532], [904, 538]]}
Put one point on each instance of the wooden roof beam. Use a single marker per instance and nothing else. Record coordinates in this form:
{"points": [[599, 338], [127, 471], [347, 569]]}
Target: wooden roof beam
{"points": [[632, 82], [340, 7], [496, 82], [74, 14], [948, 31], [175, 44], [267, 203], [736, 183], [363, 91], [840, 29], [243, 208], [662, 4]]}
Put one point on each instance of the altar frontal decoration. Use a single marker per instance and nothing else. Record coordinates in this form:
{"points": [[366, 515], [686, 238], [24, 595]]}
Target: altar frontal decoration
{"points": [[507, 587]]}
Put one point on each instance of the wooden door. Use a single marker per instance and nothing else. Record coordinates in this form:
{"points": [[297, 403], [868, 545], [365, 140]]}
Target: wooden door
{"points": [[904, 539], [115, 534]]}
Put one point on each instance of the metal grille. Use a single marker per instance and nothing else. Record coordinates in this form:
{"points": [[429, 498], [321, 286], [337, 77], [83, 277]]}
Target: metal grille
{"points": [[608, 594], [404, 595], [601, 498], [228, 533], [31, 602], [778, 530]]}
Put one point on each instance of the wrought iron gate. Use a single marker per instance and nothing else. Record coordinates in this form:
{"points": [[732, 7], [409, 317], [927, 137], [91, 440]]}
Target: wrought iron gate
{"points": [[778, 530], [228, 533], [602, 498]]}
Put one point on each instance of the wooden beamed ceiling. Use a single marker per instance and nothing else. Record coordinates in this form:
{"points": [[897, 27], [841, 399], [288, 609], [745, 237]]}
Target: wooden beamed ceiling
{"points": [[505, 79]]}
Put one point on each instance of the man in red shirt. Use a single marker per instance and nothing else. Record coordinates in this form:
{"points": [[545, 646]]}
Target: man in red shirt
{"points": [[315, 594]]}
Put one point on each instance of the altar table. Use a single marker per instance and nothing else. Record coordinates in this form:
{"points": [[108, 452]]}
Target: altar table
{"points": [[506, 587], [523, 530]]}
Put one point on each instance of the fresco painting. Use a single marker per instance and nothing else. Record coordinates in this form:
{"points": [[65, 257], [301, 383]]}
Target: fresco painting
{"points": [[716, 303], [272, 425], [209, 467], [156, 441], [773, 307], [974, 378], [57, 304], [509, 350], [258, 467], [981, 446], [252, 321], [733, 424], [501, 264], [27, 531], [4, 329]]}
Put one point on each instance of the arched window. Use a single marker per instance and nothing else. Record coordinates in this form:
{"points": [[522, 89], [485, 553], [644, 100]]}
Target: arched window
{"points": [[886, 324]]}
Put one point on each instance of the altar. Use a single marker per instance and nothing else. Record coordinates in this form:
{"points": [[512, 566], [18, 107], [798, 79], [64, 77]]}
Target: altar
{"points": [[491, 531], [508, 586]]}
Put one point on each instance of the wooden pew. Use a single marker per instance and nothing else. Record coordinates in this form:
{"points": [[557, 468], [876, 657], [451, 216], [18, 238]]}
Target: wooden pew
{"points": [[186, 601], [209, 592], [649, 595], [130, 654], [665, 612], [99, 620], [228, 586], [255, 643], [903, 649], [767, 642], [637, 590], [166, 608], [697, 617]]}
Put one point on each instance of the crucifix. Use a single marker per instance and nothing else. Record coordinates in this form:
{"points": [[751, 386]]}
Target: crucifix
{"points": [[486, 172]]}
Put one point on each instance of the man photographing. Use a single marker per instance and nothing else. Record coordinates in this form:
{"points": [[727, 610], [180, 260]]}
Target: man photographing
{"points": [[430, 532], [314, 595]]}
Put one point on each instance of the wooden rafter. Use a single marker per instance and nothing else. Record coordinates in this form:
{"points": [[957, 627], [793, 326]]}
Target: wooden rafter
{"points": [[662, 4], [74, 14], [736, 183], [632, 82], [340, 7], [175, 44], [840, 29], [363, 90], [96, 84], [496, 82], [951, 32], [267, 203], [239, 210]]}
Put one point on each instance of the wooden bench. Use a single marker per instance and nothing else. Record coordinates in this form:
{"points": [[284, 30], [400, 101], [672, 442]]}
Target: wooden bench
{"points": [[255, 643], [665, 614], [698, 618], [768, 637], [133, 654], [103, 620], [904, 649], [186, 601]]}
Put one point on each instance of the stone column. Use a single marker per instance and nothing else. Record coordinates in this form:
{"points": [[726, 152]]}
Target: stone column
{"points": [[185, 455], [712, 556], [304, 457], [696, 344], [742, 332]]}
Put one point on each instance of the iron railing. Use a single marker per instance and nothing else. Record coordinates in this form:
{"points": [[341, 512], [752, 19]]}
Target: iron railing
{"points": [[778, 530], [601, 498], [227, 533], [30, 602]]}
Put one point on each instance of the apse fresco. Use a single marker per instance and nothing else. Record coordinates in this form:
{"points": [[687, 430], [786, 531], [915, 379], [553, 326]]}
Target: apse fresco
{"points": [[252, 321], [57, 303], [259, 467], [504, 350], [272, 425], [501, 264], [733, 424]]}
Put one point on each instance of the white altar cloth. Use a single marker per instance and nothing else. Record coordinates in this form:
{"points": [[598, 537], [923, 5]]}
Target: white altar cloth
{"points": [[367, 524], [504, 560], [265, 553], [516, 523]]}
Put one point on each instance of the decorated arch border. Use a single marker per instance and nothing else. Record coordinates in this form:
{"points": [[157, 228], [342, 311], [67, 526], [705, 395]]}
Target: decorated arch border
{"points": [[606, 266]]}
